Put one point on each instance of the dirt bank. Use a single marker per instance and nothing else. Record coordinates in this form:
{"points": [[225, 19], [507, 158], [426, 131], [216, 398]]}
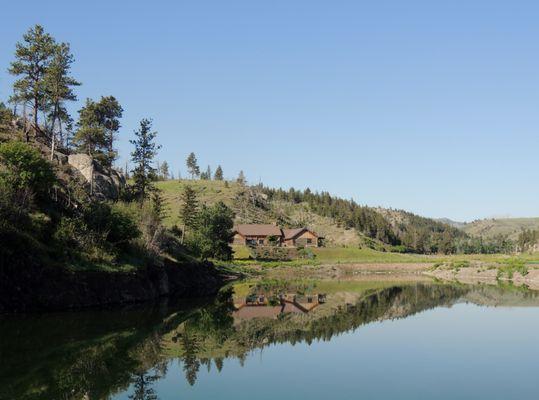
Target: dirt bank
{"points": [[33, 287]]}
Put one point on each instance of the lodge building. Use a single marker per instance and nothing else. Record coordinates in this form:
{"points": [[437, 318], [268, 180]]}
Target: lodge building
{"points": [[272, 235]]}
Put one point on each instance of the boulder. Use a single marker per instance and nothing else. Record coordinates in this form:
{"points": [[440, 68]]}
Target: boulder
{"points": [[104, 183]]}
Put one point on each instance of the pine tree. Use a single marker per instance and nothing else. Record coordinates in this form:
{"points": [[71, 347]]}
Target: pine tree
{"points": [[158, 204], [188, 209], [32, 59], [241, 179], [208, 173], [142, 157], [218, 174], [59, 88], [110, 112], [90, 136], [97, 127], [192, 165], [165, 171]]}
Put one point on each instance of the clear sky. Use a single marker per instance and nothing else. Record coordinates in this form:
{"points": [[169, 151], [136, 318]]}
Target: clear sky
{"points": [[428, 106]]}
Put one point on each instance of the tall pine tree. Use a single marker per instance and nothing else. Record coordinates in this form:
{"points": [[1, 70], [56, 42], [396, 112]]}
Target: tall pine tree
{"points": [[142, 157], [192, 165], [218, 174], [59, 89], [32, 59], [188, 209]]}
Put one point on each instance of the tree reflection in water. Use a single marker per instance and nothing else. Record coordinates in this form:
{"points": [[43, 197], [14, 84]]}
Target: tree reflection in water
{"points": [[90, 355]]}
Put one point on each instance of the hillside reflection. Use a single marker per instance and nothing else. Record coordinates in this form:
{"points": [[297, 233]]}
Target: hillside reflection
{"points": [[94, 355]]}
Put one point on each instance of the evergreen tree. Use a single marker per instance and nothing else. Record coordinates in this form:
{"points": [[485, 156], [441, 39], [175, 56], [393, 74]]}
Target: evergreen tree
{"points": [[110, 111], [188, 209], [142, 157], [165, 171], [97, 127], [208, 173], [6, 116], [213, 232], [241, 178], [142, 387], [32, 59], [90, 136], [192, 165], [59, 89], [158, 204], [218, 174]]}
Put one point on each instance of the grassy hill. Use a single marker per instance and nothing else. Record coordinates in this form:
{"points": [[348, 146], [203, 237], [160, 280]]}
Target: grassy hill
{"points": [[252, 206], [341, 222], [489, 228]]}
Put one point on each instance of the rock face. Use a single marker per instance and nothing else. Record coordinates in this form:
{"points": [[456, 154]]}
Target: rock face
{"points": [[38, 288], [104, 183]]}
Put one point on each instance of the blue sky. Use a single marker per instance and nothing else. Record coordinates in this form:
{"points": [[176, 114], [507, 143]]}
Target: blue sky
{"points": [[427, 106]]}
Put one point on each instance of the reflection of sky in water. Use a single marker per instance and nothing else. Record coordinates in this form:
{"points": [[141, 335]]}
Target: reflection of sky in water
{"points": [[463, 352]]}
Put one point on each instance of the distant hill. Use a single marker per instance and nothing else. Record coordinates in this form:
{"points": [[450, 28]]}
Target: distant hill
{"points": [[489, 228], [455, 224]]}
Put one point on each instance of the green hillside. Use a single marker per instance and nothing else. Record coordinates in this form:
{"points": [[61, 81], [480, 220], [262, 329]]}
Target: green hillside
{"points": [[251, 205], [341, 222], [489, 228]]}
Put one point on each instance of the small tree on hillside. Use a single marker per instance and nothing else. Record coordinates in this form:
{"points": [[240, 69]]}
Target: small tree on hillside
{"points": [[90, 136], [97, 127], [218, 174], [213, 233], [192, 165], [188, 209], [241, 178], [142, 157], [158, 204], [165, 174]]}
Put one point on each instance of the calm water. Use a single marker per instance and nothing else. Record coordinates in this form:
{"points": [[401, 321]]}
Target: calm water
{"points": [[365, 339]]}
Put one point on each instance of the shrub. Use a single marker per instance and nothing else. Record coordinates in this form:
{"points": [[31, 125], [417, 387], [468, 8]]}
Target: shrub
{"points": [[111, 223], [213, 233], [23, 167], [306, 253]]}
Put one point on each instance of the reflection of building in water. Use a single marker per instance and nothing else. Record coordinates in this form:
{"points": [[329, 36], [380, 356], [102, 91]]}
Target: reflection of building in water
{"points": [[261, 306]]}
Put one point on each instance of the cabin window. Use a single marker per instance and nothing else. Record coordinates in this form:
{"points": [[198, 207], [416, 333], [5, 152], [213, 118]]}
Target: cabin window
{"points": [[260, 241], [251, 242], [309, 241]]}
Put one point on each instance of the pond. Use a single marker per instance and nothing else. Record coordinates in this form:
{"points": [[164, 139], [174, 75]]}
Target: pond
{"points": [[365, 338]]}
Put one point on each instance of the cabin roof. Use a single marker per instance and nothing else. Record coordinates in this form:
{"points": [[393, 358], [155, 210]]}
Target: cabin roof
{"points": [[293, 233], [257, 230]]}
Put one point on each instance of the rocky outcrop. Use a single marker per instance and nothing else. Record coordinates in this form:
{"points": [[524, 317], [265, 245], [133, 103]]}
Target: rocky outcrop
{"points": [[103, 183]]}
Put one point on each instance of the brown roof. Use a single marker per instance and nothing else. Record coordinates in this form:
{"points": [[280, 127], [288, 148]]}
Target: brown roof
{"points": [[292, 233], [258, 230]]}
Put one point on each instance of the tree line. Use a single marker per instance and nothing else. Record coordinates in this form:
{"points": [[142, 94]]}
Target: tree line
{"points": [[412, 234]]}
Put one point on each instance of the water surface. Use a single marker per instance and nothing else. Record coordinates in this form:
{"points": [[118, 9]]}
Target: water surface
{"points": [[364, 339]]}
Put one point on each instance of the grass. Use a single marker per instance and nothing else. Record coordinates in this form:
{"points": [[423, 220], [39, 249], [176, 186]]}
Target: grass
{"points": [[209, 192], [508, 269], [352, 255]]}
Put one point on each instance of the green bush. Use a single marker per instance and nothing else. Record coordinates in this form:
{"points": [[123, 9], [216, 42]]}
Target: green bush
{"points": [[111, 223], [306, 253], [213, 233], [22, 166], [67, 233]]}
